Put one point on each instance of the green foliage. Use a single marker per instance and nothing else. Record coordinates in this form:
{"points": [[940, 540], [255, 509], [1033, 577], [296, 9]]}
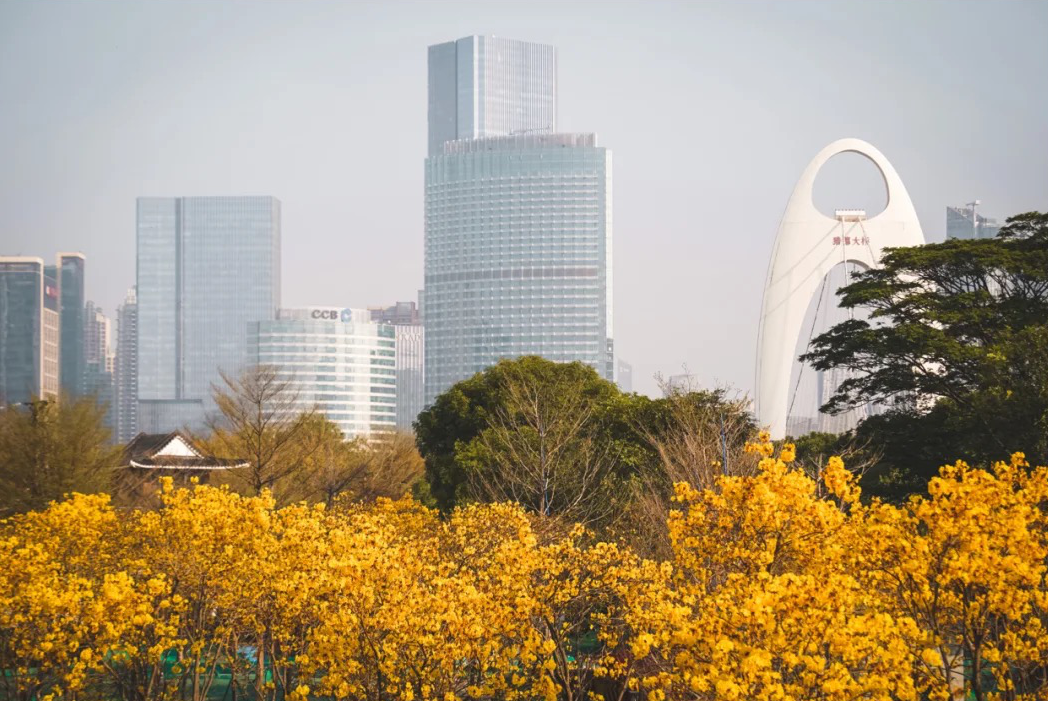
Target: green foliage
{"points": [[51, 448], [955, 345], [562, 441], [464, 411]]}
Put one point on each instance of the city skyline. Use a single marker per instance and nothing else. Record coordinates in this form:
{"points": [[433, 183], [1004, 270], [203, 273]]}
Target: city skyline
{"points": [[699, 190]]}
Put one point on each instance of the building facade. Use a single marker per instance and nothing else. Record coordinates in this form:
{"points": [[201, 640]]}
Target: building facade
{"points": [[29, 331], [126, 369], [72, 376], [624, 376], [518, 254], [965, 223], [99, 362], [488, 86], [335, 360], [410, 357], [207, 268]]}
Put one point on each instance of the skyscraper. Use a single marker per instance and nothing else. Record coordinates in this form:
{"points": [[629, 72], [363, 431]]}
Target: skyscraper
{"points": [[99, 361], [29, 302], [335, 360], [71, 375], [489, 86], [207, 267], [126, 371], [97, 337], [518, 255], [518, 226], [408, 332]]}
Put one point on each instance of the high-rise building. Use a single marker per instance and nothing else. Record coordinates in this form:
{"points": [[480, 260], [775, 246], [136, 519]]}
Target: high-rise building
{"points": [[126, 371], [624, 376], [29, 333], [97, 337], [71, 375], [518, 254], [99, 361], [207, 268], [489, 86], [336, 360], [965, 223], [518, 217], [407, 325]]}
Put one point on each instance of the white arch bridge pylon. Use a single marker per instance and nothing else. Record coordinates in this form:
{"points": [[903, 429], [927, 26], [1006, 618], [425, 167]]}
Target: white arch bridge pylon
{"points": [[808, 245]]}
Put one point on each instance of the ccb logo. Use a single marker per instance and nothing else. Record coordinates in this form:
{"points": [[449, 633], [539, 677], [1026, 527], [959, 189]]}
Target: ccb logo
{"points": [[324, 314]]}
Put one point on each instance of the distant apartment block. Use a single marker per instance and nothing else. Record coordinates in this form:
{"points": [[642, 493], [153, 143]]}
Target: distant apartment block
{"points": [[126, 370], [680, 384], [99, 362]]}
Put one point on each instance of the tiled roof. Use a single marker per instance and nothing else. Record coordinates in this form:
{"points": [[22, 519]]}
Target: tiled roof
{"points": [[141, 452]]}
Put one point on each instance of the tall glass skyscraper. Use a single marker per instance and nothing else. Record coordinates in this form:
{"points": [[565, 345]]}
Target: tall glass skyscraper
{"points": [[335, 360], [207, 267], [72, 374], [488, 86], [518, 254], [518, 217], [29, 303]]}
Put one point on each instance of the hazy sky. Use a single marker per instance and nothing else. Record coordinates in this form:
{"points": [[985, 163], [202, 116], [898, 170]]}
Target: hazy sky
{"points": [[711, 109]]}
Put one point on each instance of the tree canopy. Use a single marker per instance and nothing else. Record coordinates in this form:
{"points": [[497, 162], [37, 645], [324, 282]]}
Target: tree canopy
{"points": [[777, 585], [50, 448], [562, 441], [955, 346]]}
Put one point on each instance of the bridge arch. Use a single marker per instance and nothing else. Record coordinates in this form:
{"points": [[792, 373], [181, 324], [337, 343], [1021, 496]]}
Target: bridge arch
{"points": [[808, 244]]}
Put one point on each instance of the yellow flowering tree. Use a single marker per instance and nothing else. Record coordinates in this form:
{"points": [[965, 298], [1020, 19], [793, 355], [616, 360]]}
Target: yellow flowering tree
{"points": [[768, 609], [780, 585], [65, 604], [968, 564]]}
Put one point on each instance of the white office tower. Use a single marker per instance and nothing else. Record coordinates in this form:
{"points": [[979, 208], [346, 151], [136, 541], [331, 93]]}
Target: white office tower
{"points": [[336, 360]]}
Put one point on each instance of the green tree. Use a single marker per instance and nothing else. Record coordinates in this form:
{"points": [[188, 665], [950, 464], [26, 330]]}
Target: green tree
{"points": [[449, 433], [955, 346], [49, 448], [544, 446], [564, 442]]}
